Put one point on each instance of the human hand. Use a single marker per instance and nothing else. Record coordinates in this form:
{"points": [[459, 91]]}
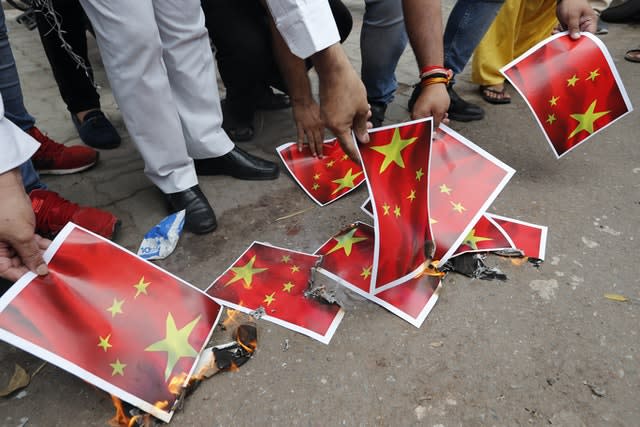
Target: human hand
{"points": [[433, 101], [343, 99], [576, 16], [21, 250], [309, 124]]}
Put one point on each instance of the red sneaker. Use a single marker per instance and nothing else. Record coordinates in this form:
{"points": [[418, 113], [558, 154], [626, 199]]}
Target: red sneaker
{"points": [[58, 159], [53, 212]]}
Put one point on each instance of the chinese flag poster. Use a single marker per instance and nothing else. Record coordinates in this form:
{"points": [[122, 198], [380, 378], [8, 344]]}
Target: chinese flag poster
{"points": [[111, 318], [485, 236], [529, 238], [572, 88]]}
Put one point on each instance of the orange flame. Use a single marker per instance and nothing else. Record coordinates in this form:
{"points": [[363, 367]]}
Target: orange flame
{"points": [[120, 419], [231, 317], [176, 384]]}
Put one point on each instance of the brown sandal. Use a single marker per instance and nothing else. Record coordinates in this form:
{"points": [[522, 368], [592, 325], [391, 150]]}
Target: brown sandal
{"points": [[495, 96], [632, 55]]}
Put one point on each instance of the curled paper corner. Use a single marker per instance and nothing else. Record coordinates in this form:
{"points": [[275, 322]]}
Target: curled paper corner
{"points": [[162, 239]]}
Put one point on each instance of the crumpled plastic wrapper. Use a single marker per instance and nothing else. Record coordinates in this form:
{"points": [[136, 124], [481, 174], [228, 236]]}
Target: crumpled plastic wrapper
{"points": [[162, 239]]}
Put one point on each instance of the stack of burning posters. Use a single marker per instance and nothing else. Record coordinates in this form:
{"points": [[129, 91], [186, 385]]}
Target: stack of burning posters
{"points": [[111, 318], [572, 88]]}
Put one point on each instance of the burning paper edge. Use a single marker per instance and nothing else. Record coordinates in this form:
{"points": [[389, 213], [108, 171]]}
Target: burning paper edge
{"points": [[415, 321], [373, 288], [323, 338], [611, 64], [283, 147], [509, 172], [64, 364], [500, 230], [543, 233]]}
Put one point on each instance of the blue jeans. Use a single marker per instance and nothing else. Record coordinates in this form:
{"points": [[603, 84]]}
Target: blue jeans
{"points": [[13, 104], [14, 108], [467, 25], [382, 42]]}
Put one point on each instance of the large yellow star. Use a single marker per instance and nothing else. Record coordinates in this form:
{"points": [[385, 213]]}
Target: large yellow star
{"points": [[116, 307], [386, 208], [346, 242], [118, 368], [287, 287], [412, 195], [104, 342], [366, 272], [141, 287], [586, 120], [175, 343], [551, 119], [572, 81], [268, 299], [554, 101], [472, 240], [245, 273], [393, 150], [593, 74], [346, 181], [458, 207], [419, 174], [445, 189], [396, 211]]}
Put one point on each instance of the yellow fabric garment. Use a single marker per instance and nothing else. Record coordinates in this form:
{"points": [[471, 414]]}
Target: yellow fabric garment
{"points": [[520, 24]]}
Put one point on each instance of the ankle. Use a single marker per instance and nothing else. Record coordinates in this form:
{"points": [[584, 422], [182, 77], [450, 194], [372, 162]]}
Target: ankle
{"points": [[82, 114]]}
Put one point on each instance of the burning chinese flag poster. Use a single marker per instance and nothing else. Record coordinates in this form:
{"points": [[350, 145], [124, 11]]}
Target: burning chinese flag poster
{"points": [[275, 279], [396, 164], [485, 236], [324, 179], [347, 258], [529, 238], [572, 88], [111, 318], [464, 181]]}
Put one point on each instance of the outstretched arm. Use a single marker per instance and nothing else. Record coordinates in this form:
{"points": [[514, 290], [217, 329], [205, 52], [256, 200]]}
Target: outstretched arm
{"points": [[423, 20]]}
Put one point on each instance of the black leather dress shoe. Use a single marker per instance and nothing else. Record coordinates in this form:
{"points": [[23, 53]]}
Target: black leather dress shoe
{"points": [[238, 164], [199, 217], [459, 109]]}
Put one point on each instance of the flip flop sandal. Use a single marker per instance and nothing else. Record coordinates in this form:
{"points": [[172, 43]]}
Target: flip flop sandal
{"points": [[500, 97], [632, 55]]}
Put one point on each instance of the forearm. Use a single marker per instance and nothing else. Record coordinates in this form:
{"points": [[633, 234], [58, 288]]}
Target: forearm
{"points": [[423, 20]]}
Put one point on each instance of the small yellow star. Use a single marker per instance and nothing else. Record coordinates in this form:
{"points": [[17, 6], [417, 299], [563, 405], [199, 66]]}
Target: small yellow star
{"points": [[554, 101], [396, 211], [433, 221], [316, 176], [287, 287], [141, 287], [366, 272], [330, 164], [412, 195], [315, 186], [345, 157], [445, 189], [593, 74], [572, 81], [295, 269], [419, 174], [386, 208], [116, 307], [285, 259], [268, 299], [458, 207], [551, 118], [104, 342], [118, 368]]}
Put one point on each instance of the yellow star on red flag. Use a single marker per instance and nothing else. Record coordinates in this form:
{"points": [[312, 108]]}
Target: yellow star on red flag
{"points": [[346, 181], [472, 240], [268, 299], [175, 343], [346, 242], [586, 120], [245, 273], [393, 151]]}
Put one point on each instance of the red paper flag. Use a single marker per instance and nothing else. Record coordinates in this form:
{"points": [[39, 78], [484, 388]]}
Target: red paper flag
{"points": [[485, 236], [275, 279], [351, 264], [529, 238], [113, 319], [572, 87], [464, 181], [324, 179], [396, 163], [348, 257]]}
